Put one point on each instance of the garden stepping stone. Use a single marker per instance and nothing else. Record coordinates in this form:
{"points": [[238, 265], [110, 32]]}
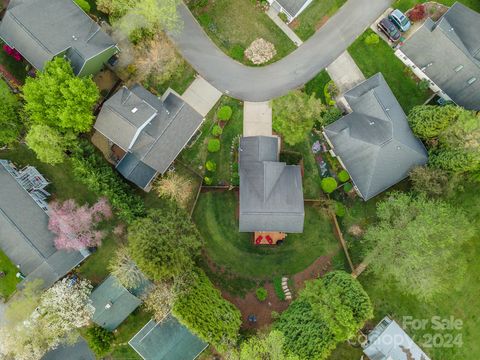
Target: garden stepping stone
{"points": [[286, 290]]}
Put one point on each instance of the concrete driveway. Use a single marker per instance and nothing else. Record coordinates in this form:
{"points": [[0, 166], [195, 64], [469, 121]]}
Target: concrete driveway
{"points": [[257, 118], [201, 96], [264, 83], [345, 73]]}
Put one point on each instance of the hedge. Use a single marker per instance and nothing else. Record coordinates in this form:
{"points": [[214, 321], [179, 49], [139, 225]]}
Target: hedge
{"points": [[261, 294]]}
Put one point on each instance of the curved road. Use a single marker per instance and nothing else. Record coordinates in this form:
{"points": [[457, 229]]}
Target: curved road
{"points": [[268, 82]]}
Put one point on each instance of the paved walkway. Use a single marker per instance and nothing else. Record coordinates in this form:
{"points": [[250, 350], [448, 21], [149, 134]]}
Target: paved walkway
{"points": [[271, 81], [273, 14], [345, 72], [257, 119], [201, 96]]}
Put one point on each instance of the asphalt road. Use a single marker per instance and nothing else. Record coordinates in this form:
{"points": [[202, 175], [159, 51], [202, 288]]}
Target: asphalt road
{"points": [[268, 82]]}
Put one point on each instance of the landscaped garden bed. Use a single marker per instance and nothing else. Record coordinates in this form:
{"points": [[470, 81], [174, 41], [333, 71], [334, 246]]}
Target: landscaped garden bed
{"points": [[404, 5]]}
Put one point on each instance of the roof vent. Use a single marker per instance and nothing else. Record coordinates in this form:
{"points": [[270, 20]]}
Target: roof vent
{"points": [[371, 122], [427, 66], [108, 305], [134, 110], [74, 37], [458, 68], [472, 80]]}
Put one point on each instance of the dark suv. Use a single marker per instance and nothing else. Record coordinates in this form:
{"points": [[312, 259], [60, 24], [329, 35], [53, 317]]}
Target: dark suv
{"points": [[387, 27]]}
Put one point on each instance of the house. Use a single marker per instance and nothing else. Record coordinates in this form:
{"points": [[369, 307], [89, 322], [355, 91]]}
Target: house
{"points": [[374, 143], [146, 132], [271, 192], [446, 53], [113, 303], [388, 341], [43, 29], [167, 340], [291, 8], [24, 234]]}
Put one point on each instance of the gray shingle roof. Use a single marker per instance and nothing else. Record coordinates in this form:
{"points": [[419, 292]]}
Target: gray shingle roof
{"points": [[271, 194], [374, 142], [122, 303], [440, 49], [25, 238], [388, 341], [77, 351], [154, 134], [167, 340], [43, 29], [292, 6]]}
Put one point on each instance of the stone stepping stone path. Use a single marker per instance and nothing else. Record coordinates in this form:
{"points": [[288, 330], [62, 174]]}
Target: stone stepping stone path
{"points": [[286, 290]]}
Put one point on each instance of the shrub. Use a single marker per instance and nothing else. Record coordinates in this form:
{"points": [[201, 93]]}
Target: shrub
{"points": [[210, 165], [217, 131], [291, 157], [207, 180], [213, 145], [197, 4], [261, 294], [372, 39], [340, 209], [237, 52], [205, 19], [331, 115], [99, 339], [283, 17], [347, 187], [329, 185], [423, 84], [343, 176], [417, 13], [277, 286], [224, 113], [330, 91], [84, 5]]}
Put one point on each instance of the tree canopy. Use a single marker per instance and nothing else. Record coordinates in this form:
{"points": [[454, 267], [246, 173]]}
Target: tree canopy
{"points": [[265, 347], [328, 311], [413, 240], [427, 122], [294, 115], [206, 313], [48, 143], [10, 124], [165, 243]]}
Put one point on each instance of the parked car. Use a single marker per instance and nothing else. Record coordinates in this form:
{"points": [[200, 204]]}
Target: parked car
{"points": [[387, 27], [400, 20]]}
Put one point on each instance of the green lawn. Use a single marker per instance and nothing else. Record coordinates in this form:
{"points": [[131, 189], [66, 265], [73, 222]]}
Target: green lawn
{"points": [[372, 59], [179, 81], [314, 16], [17, 69], [234, 24], [9, 282], [404, 5], [317, 84], [216, 220]]}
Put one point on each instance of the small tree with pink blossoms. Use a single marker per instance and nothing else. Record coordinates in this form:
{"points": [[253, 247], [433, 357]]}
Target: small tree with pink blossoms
{"points": [[76, 226]]}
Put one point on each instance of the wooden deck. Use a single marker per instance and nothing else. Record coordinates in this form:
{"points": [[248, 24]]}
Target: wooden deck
{"points": [[268, 238]]}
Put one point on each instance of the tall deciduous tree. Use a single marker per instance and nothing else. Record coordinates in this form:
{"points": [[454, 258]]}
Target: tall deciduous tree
{"points": [[59, 99], [125, 270], [413, 240], [10, 124], [48, 143], [433, 182], [427, 122], [328, 311], [265, 347], [165, 243], [76, 226], [206, 313], [294, 115]]}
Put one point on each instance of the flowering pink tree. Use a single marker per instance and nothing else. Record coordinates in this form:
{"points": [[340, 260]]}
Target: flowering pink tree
{"points": [[76, 226]]}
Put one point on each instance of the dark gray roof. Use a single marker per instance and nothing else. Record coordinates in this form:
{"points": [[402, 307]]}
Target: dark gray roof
{"points": [[43, 29], [77, 351], [271, 195], [292, 6], [167, 340], [25, 238], [122, 303], [374, 142], [448, 52], [381, 347], [153, 135]]}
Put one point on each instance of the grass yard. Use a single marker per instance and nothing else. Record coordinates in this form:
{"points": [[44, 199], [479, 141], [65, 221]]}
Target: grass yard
{"points": [[314, 16], [404, 5], [8, 283], [179, 81], [215, 216], [234, 24], [317, 84], [16, 68], [372, 59]]}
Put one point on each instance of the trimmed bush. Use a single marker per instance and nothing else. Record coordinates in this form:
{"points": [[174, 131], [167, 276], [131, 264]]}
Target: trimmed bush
{"points": [[217, 131], [210, 165], [331, 115], [343, 176], [237, 52], [340, 209], [329, 185], [330, 91], [224, 113], [207, 180], [347, 187], [84, 5], [372, 39], [261, 294], [99, 339], [213, 145]]}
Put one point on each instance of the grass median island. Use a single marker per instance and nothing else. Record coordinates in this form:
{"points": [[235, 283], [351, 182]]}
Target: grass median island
{"points": [[234, 24], [314, 16], [375, 58], [225, 246]]}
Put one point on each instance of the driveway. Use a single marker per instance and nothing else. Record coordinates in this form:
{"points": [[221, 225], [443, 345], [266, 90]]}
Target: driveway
{"points": [[264, 83], [257, 118], [201, 96], [345, 73]]}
